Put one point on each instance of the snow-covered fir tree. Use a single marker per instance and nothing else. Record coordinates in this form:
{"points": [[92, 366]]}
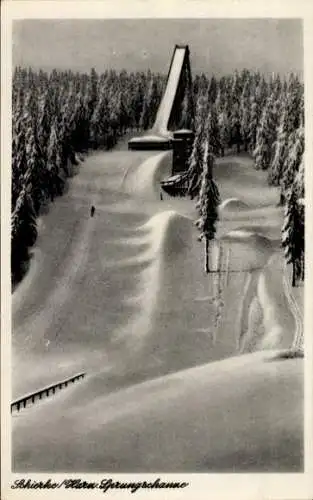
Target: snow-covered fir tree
{"points": [[294, 103], [266, 135], [220, 101], [224, 130], [144, 121], [19, 159], [300, 181], [236, 89], [245, 113], [99, 121], [137, 101], [35, 170], [153, 101], [293, 160], [44, 121], [195, 164], [212, 90], [54, 163], [293, 235], [276, 167], [207, 204], [255, 114], [299, 189], [235, 127], [211, 131], [187, 118], [261, 92], [23, 233]]}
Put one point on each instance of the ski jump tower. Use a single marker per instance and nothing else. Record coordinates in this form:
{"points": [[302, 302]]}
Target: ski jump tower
{"points": [[176, 98]]}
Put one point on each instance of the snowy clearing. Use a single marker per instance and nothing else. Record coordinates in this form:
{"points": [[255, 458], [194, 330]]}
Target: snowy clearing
{"points": [[132, 308]]}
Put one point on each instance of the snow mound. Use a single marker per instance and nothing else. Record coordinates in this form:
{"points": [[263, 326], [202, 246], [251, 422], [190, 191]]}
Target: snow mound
{"points": [[249, 250], [166, 234], [176, 423], [233, 204], [151, 345], [144, 181], [271, 230], [170, 232], [178, 276], [249, 237]]}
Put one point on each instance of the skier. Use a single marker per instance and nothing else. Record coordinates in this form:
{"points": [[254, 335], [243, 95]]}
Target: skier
{"points": [[161, 196], [92, 211]]}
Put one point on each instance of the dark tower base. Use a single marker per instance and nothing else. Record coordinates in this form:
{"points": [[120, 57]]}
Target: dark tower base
{"points": [[149, 143]]}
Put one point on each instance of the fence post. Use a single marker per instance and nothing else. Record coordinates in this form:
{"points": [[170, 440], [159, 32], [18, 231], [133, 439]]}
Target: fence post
{"points": [[227, 266]]}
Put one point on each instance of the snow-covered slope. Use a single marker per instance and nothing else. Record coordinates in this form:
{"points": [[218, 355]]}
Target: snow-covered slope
{"points": [[123, 296], [238, 415]]}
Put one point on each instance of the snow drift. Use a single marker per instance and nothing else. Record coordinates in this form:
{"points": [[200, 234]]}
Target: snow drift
{"points": [[250, 250], [211, 418], [149, 336], [232, 204], [249, 237]]}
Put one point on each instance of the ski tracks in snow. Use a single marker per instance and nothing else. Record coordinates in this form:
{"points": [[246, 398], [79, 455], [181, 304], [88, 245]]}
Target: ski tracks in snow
{"points": [[40, 321], [299, 334]]}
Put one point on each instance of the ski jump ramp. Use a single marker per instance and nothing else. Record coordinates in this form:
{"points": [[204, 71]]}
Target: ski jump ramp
{"points": [[159, 137], [167, 102]]}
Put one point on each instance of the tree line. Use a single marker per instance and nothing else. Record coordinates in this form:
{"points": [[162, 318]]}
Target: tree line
{"points": [[264, 117], [55, 116]]}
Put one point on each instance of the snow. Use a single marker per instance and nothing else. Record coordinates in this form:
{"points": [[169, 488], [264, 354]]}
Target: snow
{"points": [[219, 417], [144, 181], [173, 178], [278, 320], [23, 287], [184, 131], [123, 296], [240, 235], [233, 204], [260, 243]]}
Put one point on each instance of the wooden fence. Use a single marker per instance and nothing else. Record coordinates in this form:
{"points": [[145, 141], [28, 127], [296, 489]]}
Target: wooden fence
{"points": [[44, 393]]}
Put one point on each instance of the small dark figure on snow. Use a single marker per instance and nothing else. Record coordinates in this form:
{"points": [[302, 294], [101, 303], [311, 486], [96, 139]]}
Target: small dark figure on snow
{"points": [[161, 196], [92, 211]]}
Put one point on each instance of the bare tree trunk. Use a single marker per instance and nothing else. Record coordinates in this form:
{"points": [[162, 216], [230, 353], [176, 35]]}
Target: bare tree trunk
{"points": [[220, 257], [207, 250]]}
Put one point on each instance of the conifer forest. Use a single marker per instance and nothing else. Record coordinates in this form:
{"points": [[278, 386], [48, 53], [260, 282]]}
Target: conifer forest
{"points": [[61, 115]]}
